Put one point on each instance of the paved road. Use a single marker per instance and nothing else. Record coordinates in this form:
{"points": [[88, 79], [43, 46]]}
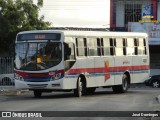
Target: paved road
{"points": [[136, 99]]}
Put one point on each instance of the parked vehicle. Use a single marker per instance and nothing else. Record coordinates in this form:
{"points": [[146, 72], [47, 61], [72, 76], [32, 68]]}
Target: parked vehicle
{"points": [[7, 79], [153, 81]]}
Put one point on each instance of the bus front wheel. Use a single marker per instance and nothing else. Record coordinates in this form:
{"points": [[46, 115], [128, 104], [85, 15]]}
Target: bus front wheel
{"points": [[81, 87], [37, 93], [122, 88]]}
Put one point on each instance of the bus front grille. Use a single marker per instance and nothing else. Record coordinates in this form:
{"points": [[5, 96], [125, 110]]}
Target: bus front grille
{"points": [[37, 85]]}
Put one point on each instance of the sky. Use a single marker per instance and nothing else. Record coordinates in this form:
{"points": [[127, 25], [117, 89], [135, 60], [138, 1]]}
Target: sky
{"points": [[77, 13]]}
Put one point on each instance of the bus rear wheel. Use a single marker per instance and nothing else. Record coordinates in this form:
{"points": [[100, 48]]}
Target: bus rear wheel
{"points": [[81, 87], [122, 88], [37, 94]]}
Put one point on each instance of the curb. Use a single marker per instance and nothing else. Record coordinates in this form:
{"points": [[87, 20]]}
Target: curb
{"points": [[13, 92]]}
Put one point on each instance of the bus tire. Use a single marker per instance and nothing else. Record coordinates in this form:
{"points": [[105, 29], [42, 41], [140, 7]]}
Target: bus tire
{"points": [[122, 88], [81, 87], [37, 94]]}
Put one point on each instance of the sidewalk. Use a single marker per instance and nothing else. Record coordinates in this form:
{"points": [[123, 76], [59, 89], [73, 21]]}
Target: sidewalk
{"points": [[10, 90]]}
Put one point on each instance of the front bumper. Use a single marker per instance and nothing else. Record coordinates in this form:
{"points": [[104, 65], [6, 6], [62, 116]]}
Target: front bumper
{"points": [[38, 85]]}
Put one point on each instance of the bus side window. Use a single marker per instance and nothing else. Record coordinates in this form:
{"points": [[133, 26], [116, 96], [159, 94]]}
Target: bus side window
{"points": [[99, 47], [92, 46], [145, 49], [69, 55], [85, 47], [124, 46], [119, 47], [106, 46], [130, 49], [81, 47], [102, 49], [112, 46], [136, 46], [67, 51], [142, 47], [72, 52]]}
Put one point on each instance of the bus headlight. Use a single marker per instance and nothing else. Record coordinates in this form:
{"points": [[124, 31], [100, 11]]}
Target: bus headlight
{"points": [[56, 76], [18, 77]]}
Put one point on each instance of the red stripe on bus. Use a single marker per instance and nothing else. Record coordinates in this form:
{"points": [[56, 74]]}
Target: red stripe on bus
{"points": [[105, 69], [26, 75]]}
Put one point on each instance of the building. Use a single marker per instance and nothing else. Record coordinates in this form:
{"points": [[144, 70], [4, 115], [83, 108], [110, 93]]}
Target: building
{"points": [[139, 16]]}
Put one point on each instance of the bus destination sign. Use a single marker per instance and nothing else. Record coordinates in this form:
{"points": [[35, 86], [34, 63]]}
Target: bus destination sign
{"points": [[39, 36]]}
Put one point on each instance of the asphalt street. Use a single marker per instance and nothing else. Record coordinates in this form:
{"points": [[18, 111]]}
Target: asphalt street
{"points": [[139, 98]]}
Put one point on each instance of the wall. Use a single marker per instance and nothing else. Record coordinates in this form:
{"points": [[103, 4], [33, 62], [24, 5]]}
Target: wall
{"points": [[120, 10], [158, 12], [120, 14]]}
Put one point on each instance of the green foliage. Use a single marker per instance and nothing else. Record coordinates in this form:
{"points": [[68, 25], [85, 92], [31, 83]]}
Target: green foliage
{"points": [[16, 16]]}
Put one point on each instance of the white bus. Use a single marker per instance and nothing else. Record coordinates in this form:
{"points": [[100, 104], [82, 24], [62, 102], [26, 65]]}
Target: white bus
{"points": [[54, 60]]}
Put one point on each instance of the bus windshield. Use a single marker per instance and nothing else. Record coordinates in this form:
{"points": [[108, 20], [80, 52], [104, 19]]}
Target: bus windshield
{"points": [[37, 56]]}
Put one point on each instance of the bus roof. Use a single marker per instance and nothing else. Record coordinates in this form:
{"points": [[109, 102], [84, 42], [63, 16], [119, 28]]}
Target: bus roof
{"points": [[89, 33]]}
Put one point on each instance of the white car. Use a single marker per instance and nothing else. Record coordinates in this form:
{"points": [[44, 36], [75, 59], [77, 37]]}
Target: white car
{"points": [[7, 79]]}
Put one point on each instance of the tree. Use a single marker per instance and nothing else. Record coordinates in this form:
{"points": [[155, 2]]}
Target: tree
{"points": [[16, 16]]}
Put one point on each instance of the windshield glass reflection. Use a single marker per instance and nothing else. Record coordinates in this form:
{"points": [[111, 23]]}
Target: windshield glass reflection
{"points": [[37, 56]]}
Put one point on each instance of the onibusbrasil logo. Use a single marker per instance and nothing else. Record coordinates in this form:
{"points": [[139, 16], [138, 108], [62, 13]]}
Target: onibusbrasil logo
{"points": [[147, 14], [21, 114]]}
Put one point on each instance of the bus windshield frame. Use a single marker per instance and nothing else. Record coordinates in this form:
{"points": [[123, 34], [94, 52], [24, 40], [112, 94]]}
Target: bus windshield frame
{"points": [[35, 56]]}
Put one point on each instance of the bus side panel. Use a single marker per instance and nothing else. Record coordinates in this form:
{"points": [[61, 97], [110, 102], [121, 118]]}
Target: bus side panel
{"points": [[122, 64], [86, 66], [103, 71], [140, 68], [70, 82]]}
